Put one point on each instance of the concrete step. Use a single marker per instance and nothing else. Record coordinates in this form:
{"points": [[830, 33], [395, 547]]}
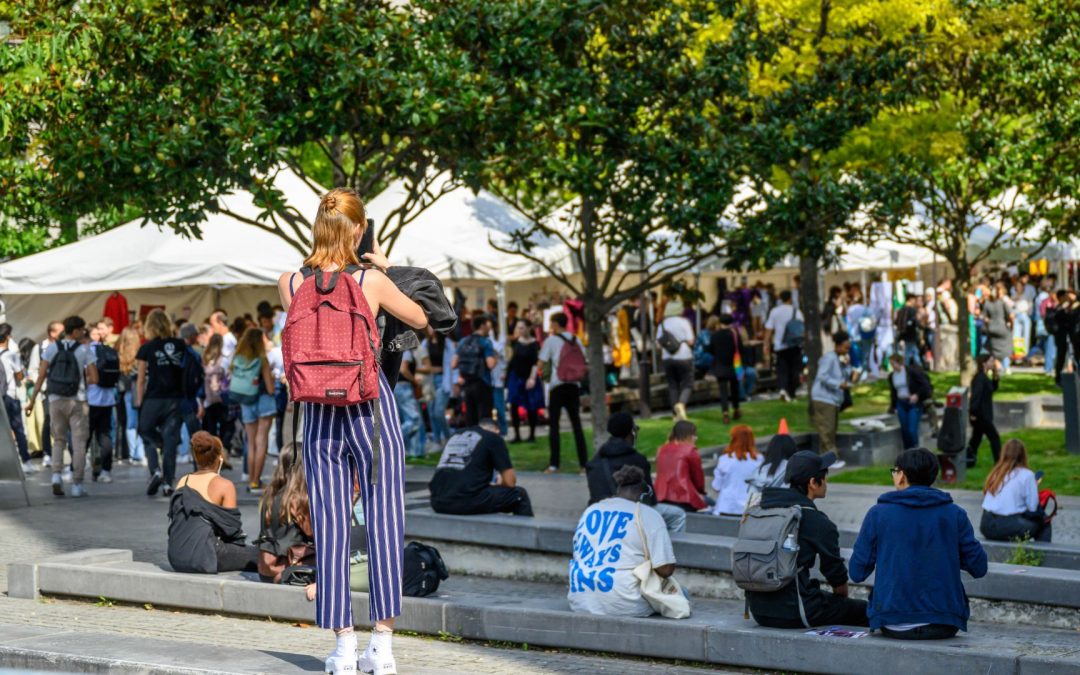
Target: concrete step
{"points": [[538, 614], [30, 648], [1054, 555], [539, 548]]}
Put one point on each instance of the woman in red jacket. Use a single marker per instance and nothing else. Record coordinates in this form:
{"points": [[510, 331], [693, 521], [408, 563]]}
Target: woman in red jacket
{"points": [[680, 480]]}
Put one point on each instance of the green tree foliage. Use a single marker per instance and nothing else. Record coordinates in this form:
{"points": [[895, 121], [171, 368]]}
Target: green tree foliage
{"points": [[162, 106], [993, 147]]}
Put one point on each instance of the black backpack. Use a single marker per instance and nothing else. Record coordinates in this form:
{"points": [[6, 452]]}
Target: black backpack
{"points": [[1052, 321], [192, 374], [65, 373], [108, 367], [907, 323], [471, 359], [424, 569]]}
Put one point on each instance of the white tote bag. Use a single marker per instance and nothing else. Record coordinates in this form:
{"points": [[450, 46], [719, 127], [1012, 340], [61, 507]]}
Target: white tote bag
{"points": [[663, 595]]}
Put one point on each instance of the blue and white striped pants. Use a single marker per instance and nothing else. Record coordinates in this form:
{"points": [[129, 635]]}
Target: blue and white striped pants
{"points": [[337, 443]]}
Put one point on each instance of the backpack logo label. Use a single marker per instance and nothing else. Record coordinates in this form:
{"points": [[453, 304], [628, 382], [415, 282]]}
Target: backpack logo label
{"points": [[336, 393]]}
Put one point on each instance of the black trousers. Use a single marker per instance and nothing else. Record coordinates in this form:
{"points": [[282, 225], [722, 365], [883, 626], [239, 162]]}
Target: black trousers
{"points": [[215, 422], [1061, 341], [565, 397], [494, 499], [515, 418], [121, 451], [680, 380], [1016, 526], [15, 417], [931, 631], [832, 610], [788, 370], [101, 433], [729, 392], [479, 401], [159, 427], [236, 557], [980, 428]]}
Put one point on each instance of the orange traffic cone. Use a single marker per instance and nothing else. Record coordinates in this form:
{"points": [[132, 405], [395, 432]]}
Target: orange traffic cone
{"points": [[783, 427]]}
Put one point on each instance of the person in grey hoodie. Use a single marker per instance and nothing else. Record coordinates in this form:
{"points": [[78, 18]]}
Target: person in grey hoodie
{"points": [[827, 395]]}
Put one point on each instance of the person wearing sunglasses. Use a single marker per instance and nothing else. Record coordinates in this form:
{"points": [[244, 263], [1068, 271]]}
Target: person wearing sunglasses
{"points": [[912, 535]]}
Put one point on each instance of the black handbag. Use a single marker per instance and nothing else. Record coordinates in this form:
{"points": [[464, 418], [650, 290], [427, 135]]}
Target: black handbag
{"points": [[298, 575]]}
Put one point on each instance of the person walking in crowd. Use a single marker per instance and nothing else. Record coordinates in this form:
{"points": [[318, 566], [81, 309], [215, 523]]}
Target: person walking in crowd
{"points": [[680, 479], [338, 444], [981, 408], [784, 332], [831, 391], [833, 317], [158, 391], [11, 377], [101, 398], [1061, 325], [807, 474], [725, 347], [206, 534], [995, 316], [909, 390], [618, 451], [252, 386], [408, 407], [190, 406], [435, 365], [462, 483], [53, 332], [285, 534], [219, 324], [498, 380], [562, 356], [523, 390], [606, 585], [1011, 499], [772, 471], [474, 362], [216, 391], [911, 535], [69, 366], [738, 463], [675, 336], [127, 349], [909, 328]]}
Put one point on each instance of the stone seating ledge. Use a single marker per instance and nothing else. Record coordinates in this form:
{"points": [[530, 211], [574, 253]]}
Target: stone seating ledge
{"points": [[538, 614]]}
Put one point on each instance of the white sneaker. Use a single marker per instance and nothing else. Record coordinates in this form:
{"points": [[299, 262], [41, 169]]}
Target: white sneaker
{"points": [[138, 462], [66, 476], [184, 458], [46, 461], [104, 477], [28, 467], [378, 659], [77, 490], [244, 477], [341, 665]]}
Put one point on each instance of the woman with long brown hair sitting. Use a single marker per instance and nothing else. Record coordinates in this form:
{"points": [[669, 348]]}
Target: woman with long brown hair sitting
{"points": [[285, 536], [1011, 503]]}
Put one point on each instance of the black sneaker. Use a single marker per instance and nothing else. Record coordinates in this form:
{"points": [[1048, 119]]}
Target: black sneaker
{"points": [[58, 489], [168, 490], [155, 483]]}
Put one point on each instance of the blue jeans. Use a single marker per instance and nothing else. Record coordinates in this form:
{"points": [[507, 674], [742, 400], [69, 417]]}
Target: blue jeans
{"points": [[749, 381], [910, 415], [135, 443], [499, 397], [440, 430], [1050, 352], [412, 422], [911, 352], [1022, 329]]}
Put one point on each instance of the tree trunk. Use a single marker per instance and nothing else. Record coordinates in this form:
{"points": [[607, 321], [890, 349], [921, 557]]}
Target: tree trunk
{"points": [[594, 328], [810, 306], [338, 153]]}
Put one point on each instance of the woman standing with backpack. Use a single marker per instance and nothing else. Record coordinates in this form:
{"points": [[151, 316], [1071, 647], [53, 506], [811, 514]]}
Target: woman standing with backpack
{"points": [[252, 386], [328, 372]]}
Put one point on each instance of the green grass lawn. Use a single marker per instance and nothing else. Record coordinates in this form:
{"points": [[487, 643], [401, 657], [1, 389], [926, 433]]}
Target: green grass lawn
{"points": [[763, 417], [1046, 452]]}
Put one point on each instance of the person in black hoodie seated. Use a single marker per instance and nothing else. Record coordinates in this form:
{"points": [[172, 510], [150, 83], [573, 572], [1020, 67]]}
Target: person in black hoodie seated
{"points": [[285, 535], [463, 484], [617, 452], [205, 532], [807, 474]]}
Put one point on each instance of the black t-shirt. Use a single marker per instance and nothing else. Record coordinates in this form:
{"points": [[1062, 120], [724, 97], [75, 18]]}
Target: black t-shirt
{"points": [[164, 374], [467, 462], [524, 357]]}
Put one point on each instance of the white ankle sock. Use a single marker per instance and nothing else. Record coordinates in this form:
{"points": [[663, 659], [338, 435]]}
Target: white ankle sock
{"points": [[346, 645]]}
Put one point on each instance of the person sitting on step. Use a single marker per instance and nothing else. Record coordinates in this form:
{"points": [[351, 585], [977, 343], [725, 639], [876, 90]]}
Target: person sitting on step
{"points": [[463, 483]]}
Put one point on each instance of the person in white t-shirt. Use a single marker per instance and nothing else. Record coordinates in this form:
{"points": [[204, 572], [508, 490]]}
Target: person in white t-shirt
{"points": [[608, 545], [1011, 499], [675, 336], [219, 323], [11, 362], [788, 347]]}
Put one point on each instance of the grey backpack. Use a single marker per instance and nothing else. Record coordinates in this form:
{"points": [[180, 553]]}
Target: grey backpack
{"points": [[764, 557]]}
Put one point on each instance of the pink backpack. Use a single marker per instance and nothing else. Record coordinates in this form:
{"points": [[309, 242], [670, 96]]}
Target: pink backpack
{"points": [[330, 342]]}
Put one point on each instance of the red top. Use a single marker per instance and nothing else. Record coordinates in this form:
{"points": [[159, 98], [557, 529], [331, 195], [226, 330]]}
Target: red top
{"points": [[679, 476], [116, 308]]}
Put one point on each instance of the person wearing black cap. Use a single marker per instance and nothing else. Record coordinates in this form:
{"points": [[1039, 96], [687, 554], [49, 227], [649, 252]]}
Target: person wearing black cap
{"points": [[807, 474], [462, 483], [617, 452]]}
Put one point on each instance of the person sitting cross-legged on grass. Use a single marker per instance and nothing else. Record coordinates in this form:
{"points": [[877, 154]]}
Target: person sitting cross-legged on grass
{"points": [[911, 536], [462, 483]]}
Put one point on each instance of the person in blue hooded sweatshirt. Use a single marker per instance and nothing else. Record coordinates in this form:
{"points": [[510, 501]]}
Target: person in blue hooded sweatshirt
{"points": [[918, 540]]}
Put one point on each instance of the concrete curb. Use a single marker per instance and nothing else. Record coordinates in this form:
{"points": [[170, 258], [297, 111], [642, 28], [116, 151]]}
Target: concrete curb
{"points": [[538, 614]]}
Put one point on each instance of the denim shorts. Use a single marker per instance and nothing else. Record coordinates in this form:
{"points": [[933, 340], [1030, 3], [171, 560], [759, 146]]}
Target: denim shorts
{"points": [[266, 406]]}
